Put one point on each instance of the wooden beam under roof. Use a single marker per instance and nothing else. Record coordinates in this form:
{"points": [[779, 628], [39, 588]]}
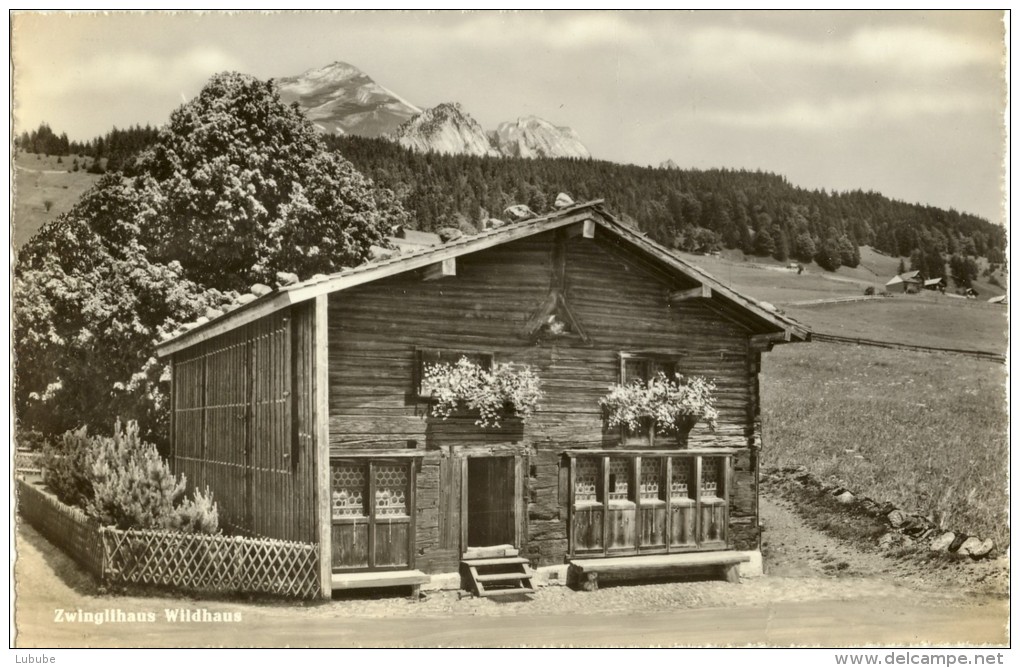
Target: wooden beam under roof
{"points": [[764, 342], [700, 292], [442, 269]]}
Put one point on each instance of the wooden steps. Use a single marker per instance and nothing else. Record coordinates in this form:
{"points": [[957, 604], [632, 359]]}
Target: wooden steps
{"points": [[487, 575]]}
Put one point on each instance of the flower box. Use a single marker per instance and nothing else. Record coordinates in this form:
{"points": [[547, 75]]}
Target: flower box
{"points": [[663, 405], [505, 392]]}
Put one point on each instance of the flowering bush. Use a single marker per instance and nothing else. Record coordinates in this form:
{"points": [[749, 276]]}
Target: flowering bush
{"points": [[672, 404], [466, 384]]}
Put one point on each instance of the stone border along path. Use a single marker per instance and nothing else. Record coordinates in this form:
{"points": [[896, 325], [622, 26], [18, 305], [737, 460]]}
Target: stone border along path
{"points": [[905, 528]]}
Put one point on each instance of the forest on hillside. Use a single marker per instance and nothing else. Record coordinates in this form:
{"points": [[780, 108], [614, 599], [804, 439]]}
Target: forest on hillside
{"points": [[760, 213], [694, 210]]}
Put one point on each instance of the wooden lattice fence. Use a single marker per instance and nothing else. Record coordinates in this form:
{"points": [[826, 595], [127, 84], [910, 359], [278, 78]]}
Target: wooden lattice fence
{"points": [[186, 562], [211, 563]]}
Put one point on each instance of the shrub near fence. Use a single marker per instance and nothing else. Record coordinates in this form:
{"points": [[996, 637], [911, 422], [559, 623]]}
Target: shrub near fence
{"points": [[181, 561]]}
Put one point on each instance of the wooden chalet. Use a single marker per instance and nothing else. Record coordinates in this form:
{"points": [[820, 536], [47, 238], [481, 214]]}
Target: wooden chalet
{"points": [[301, 409], [909, 282]]}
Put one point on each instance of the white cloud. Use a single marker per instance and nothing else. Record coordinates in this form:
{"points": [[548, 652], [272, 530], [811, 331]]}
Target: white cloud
{"points": [[901, 48], [137, 71], [556, 31], [917, 48], [846, 112]]}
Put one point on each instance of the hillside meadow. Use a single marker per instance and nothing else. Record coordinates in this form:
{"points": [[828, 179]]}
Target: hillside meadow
{"points": [[44, 189], [927, 432], [929, 319]]}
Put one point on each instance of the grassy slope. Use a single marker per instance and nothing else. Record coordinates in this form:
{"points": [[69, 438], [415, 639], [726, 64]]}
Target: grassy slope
{"points": [[927, 432], [771, 281], [926, 320], [38, 179], [930, 430]]}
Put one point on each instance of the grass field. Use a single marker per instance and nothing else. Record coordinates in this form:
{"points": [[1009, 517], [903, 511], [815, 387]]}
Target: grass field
{"points": [[769, 280], [926, 432], [924, 320], [40, 179]]}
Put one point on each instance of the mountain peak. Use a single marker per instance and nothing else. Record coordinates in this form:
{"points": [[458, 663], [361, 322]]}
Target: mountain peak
{"points": [[534, 137], [341, 98], [338, 69], [445, 128]]}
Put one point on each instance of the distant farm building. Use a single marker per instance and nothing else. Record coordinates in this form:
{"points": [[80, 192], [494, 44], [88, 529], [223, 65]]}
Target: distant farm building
{"points": [[935, 284], [909, 282]]}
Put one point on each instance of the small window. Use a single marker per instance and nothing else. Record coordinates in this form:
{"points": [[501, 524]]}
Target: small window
{"points": [[433, 356], [645, 366]]}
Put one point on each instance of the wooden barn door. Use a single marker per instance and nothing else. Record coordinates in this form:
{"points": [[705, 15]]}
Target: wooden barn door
{"points": [[491, 494]]}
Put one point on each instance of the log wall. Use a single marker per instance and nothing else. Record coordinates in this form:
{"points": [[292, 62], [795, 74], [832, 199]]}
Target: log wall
{"points": [[622, 306]]}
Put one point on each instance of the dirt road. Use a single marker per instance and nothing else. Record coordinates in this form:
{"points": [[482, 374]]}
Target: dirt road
{"points": [[802, 608]]}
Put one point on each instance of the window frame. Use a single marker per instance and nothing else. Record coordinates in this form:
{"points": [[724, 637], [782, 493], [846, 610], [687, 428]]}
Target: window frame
{"points": [[650, 360], [371, 518], [447, 356], [700, 509]]}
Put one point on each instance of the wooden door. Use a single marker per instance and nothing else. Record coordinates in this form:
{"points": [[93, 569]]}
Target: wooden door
{"points": [[491, 507]]}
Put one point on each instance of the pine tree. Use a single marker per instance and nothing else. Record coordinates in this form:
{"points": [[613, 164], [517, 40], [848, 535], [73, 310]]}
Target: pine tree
{"points": [[764, 245]]}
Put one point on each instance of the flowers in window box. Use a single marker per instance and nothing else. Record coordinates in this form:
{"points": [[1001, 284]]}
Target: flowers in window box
{"points": [[675, 404], [506, 390], [678, 403]]}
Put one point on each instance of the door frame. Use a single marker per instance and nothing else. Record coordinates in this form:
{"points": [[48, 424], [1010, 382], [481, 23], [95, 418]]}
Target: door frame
{"points": [[518, 501]]}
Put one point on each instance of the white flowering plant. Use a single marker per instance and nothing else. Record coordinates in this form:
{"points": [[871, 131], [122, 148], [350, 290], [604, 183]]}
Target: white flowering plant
{"points": [[508, 389], [674, 404]]}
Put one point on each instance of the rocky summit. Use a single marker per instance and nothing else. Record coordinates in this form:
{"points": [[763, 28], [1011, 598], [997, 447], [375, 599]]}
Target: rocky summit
{"points": [[446, 128], [340, 98], [533, 137]]}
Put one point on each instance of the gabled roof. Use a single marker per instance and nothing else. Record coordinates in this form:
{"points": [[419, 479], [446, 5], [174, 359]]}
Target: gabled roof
{"points": [[933, 281], [907, 277], [753, 313]]}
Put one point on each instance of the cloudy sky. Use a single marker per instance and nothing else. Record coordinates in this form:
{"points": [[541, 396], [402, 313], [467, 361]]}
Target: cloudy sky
{"points": [[909, 104]]}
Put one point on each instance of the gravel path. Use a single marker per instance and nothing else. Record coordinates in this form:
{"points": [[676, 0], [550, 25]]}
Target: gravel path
{"points": [[801, 564], [791, 547], [816, 590]]}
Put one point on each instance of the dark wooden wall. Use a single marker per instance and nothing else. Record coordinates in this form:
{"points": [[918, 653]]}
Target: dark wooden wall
{"points": [[243, 424], [620, 302]]}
